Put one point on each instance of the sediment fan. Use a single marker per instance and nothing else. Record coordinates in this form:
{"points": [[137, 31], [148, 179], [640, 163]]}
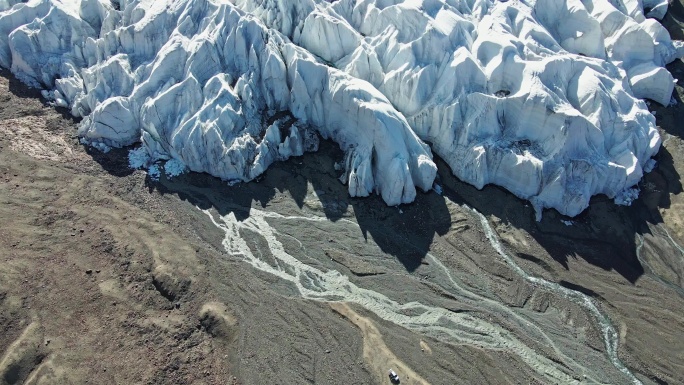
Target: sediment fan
{"points": [[540, 97]]}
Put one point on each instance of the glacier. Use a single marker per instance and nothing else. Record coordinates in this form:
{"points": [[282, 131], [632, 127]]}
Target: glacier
{"points": [[542, 97]]}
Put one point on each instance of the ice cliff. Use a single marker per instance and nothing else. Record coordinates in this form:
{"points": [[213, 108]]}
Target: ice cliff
{"points": [[540, 97]]}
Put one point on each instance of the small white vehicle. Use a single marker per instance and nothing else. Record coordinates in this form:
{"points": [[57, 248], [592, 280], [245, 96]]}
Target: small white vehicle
{"points": [[394, 377]]}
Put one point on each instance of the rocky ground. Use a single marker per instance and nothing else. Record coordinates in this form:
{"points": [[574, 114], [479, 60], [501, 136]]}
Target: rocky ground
{"points": [[109, 277]]}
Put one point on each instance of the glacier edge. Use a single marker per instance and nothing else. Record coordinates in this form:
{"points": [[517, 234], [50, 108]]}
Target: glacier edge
{"points": [[540, 97]]}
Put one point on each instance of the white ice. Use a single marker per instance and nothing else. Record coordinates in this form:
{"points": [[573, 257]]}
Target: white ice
{"points": [[540, 97]]}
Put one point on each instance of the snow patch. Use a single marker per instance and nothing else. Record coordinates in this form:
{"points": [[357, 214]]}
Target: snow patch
{"points": [[437, 188], [174, 167], [154, 172], [138, 158], [626, 196], [100, 146]]}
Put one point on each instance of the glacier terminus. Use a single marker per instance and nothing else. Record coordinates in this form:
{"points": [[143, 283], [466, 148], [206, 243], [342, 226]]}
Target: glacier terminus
{"points": [[542, 97]]}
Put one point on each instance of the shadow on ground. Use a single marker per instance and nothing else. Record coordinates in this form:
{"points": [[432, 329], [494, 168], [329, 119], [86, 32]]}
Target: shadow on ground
{"points": [[604, 235], [405, 233]]}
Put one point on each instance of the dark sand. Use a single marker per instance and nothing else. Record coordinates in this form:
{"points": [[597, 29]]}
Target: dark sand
{"points": [[108, 277]]}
